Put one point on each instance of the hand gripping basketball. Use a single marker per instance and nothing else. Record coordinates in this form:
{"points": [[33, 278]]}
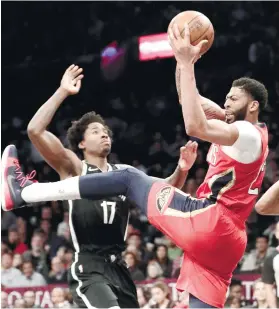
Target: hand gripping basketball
{"points": [[184, 52]]}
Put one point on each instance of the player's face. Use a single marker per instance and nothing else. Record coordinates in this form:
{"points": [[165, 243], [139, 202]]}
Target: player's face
{"points": [[260, 291], [236, 105], [96, 140]]}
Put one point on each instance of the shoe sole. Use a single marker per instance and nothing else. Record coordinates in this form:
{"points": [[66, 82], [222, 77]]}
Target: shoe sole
{"points": [[7, 202]]}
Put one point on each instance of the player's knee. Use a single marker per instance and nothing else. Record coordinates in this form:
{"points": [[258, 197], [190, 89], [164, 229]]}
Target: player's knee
{"points": [[132, 172]]}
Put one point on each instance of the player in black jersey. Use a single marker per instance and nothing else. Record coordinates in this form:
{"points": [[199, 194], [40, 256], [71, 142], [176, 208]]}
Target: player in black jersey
{"points": [[98, 276]]}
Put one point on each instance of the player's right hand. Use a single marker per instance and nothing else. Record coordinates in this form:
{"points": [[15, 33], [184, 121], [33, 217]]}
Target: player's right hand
{"points": [[71, 80]]}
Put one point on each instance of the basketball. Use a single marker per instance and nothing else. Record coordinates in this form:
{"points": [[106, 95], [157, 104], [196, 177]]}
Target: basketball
{"points": [[200, 28]]}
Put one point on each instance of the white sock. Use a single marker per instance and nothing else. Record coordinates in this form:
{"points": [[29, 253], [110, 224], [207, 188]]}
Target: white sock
{"points": [[67, 189]]}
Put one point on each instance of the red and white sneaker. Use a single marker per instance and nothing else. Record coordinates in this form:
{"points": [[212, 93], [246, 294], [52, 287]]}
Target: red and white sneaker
{"points": [[13, 180]]}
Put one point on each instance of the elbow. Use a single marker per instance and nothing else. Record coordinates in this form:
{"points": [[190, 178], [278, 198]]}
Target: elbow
{"points": [[193, 130], [261, 209], [32, 130]]}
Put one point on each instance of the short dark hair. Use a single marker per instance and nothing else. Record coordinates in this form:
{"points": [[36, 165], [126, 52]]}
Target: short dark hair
{"points": [[254, 88], [75, 133], [235, 282], [263, 236]]}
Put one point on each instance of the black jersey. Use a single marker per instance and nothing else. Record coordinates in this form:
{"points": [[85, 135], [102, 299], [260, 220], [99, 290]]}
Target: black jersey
{"points": [[99, 226]]}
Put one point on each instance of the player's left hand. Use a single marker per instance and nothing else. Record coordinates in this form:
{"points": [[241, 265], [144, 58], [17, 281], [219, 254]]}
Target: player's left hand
{"points": [[184, 52], [188, 155]]}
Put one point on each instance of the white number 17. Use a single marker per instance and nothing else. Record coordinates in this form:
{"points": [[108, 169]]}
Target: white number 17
{"points": [[108, 219]]}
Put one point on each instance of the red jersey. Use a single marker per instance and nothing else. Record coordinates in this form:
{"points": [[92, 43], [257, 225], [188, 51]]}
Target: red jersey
{"points": [[233, 184], [215, 239]]}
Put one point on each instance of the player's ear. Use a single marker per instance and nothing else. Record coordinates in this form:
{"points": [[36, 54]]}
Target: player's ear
{"points": [[81, 145], [254, 106]]}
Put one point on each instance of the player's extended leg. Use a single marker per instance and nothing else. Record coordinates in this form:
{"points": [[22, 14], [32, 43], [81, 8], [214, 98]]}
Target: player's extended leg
{"points": [[18, 190]]}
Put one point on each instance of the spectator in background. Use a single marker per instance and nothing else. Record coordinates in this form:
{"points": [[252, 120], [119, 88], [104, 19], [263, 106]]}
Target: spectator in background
{"points": [[46, 213], [132, 263], [5, 248], [4, 300], [64, 225], [154, 270], [135, 240], [254, 261], [143, 297], [236, 295], [29, 298], [14, 241], [8, 220], [233, 302], [160, 296], [17, 261], [190, 187], [162, 258], [52, 241], [37, 255], [58, 298], [173, 251], [139, 166], [58, 274], [19, 304], [21, 228], [260, 295], [29, 278], [9, 274]]}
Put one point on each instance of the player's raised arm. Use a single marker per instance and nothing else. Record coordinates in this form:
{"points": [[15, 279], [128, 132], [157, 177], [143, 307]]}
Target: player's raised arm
{"points": [[63, 160], [196, 124]]}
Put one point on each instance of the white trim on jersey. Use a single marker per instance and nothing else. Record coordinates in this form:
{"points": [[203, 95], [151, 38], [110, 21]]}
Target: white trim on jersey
{"points": [[77, 249], [248, 147]]}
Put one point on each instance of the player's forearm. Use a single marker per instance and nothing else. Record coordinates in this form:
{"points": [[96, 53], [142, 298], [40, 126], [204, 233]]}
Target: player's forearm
{"points": [[211, 109], [193, 114], [44, 115], [268, 204], [177, 178]]}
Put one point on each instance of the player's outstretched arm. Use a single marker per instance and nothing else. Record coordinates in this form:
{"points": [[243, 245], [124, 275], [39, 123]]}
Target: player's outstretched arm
{"points": [[196, 124], [188, 155], [63, 160], [268, 204]]}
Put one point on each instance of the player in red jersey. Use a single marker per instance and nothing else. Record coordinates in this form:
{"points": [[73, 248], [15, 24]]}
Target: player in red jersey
{"points": [[211, 228]]}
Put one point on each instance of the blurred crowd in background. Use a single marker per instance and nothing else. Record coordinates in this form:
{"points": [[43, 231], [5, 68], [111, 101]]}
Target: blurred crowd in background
{"points": [[39, 41]]}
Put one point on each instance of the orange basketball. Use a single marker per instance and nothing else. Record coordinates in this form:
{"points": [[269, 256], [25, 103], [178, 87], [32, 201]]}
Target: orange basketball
{"points": [[200, 28]]}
